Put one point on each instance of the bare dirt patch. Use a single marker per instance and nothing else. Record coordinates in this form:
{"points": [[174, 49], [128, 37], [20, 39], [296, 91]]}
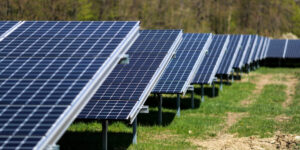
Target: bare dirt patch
{"points": [[282, 118], [233, 118], [230, 142]]}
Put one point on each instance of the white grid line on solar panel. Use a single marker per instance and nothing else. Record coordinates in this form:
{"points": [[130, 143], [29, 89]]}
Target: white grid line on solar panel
{"points": [[285, 48], [251, 51], [181, 66], [143, 38], [105, 95], [257, 48], [62, 45], [242, 51], [5, 26], [36, 107], [293, 49], [205, 73], [276, 49], [73, 83], [230, 54]]}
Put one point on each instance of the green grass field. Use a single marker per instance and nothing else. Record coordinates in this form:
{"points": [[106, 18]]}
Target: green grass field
{"points": [[249, 107]]}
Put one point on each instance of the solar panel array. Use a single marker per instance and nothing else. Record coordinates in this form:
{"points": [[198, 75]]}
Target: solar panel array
{"points": [[242, 52], [293, 49], [231, 54], [212, 60], [250, 50], [258, 56], [277, 48], [47, 73], [127, 87], [183, 67], [264, 54]]}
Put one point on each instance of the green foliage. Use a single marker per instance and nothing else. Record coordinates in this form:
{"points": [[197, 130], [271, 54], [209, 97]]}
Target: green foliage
{"points": [[270, 18]]}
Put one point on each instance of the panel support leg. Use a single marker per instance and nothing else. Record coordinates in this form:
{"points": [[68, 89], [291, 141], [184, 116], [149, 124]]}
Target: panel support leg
{"points": [[160, 109], [134, 131], [178, 105], [232, 77], [221, 83], [202, 93], [104, 134], [192, 99], [213, 89]]}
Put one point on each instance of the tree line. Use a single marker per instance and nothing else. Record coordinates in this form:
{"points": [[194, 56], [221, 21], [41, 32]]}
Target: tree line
{"points": [[264, 17]]}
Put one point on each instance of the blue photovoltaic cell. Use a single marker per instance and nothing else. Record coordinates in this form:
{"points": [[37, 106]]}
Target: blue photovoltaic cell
{"points": [[230, 55], [257, 48], [6, 25], [128, 84], [212, 60], [242, 52], [181, 69], [44, 71], [276, 48], [264, 55], [250, 50], [293, 49]]}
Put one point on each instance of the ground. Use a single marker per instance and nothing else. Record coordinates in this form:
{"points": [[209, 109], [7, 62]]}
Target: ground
{"points": [[260, 111]]}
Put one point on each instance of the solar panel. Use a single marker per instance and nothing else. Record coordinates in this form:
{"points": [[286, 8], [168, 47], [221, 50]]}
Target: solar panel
{"points": [[258, 57], [276, 48], [181, 70], [242, 52], [6, 25], [126, 89], [293, 49], [250, 50], [48, 71], [212, 60], [257, 48], [230, 55], [267, 48]]}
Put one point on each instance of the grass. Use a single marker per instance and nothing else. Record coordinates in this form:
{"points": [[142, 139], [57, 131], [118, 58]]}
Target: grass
{"points": [[207, 120]]}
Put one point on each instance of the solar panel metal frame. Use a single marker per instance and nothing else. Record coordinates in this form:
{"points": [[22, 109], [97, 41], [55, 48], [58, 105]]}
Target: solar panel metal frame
{"points": [[252, 50], [257, 51], [213, 74], [66, 118], [195, 66], [230, 67], [241, 63], [12, 29]]}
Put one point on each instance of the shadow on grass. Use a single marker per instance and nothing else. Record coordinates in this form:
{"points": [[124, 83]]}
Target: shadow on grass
{"points": [[207, 91], [93, 140], [170, 102], [151, 118]]}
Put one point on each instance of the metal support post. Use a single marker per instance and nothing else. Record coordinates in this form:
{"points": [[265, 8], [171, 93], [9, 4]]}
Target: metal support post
{"points": [[160, 109], [104, 134], [202, 93], [221, 83], [134, 131], [178, 105], [213, 89]]}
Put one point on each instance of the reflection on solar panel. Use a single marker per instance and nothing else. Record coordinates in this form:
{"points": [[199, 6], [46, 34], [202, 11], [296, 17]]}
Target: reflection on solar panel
{"points": [[126, 89], [293, 49], [242, 52], [231, 54], [250, 50], [181, 70], [48, 71], [277, 48], [257, 48], [212, 60]]}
